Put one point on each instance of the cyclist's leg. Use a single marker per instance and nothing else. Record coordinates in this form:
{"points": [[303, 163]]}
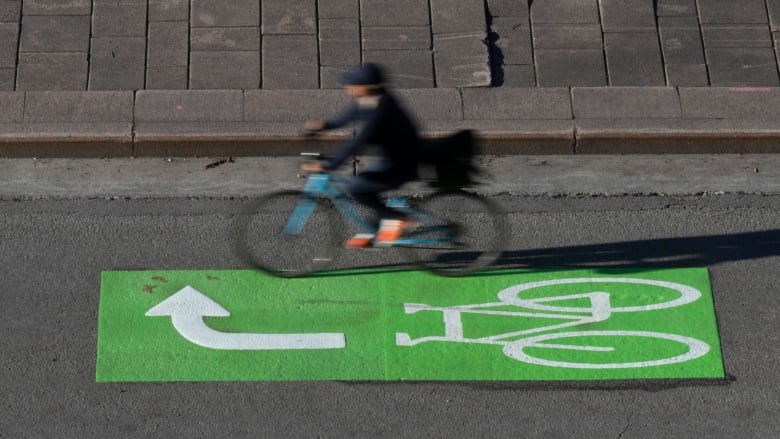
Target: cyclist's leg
{"points": [[366, 191], [366, 188]]}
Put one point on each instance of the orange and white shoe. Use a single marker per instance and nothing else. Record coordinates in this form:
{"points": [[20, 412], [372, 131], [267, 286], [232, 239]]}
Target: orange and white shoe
{"points": [[391, 231], [361, 240]]}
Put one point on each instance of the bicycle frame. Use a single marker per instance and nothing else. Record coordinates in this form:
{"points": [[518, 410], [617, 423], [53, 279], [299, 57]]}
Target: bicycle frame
{"points": [[327, 186]]}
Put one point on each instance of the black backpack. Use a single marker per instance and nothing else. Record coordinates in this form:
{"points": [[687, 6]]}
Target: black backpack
{"points": [[450, 160]]}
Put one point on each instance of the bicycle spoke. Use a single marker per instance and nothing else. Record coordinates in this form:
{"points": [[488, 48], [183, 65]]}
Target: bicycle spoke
{"points": [[469, 238], [275, 234]]}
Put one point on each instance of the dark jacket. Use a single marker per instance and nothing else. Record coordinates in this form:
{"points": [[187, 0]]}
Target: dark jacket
{"points": [[390, 129]]}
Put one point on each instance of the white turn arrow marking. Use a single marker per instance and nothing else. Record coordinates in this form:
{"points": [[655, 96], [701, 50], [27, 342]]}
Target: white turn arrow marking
{"points": [[188, 307]]}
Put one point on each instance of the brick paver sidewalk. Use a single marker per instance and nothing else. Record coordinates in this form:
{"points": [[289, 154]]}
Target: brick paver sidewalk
{"points": [[188, 77], [305, 44]]}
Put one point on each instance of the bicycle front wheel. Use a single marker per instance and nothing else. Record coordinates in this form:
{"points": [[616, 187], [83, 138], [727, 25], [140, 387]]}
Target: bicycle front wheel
{"points": [[287, 234], [466, 234]]}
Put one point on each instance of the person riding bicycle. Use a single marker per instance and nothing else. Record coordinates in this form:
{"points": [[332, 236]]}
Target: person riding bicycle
{"points": [[386, 125]]}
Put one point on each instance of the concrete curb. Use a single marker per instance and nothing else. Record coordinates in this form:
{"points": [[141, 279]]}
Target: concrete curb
{"points": [[579, 120]]}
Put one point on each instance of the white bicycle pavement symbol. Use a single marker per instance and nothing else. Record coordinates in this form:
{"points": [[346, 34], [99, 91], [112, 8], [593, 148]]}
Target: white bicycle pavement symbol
{"points": [[517, 344]]}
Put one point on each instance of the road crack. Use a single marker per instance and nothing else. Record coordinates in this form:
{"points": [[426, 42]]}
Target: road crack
{"points": [[628, 424]]}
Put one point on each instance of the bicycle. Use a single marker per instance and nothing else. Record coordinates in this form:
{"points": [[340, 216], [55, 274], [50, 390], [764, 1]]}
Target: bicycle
{"points": [[294, 233]]}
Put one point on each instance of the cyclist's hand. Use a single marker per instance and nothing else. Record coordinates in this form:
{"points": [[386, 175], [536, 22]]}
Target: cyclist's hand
{"points": [[314, 125], [315, 168]]}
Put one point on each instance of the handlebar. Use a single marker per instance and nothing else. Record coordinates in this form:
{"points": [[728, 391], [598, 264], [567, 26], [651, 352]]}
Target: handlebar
{"points": [[314, 156]]}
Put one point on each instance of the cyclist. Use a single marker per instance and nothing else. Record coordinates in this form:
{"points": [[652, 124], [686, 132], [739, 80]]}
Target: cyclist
{"points": [[386, 125]]}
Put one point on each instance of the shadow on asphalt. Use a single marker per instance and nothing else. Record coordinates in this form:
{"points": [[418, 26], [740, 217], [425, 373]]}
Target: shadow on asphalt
{"points": [[699, 251]]}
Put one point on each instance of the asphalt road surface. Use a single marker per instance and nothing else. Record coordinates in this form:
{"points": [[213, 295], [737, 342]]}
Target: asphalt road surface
{"points": [[53, 250]]}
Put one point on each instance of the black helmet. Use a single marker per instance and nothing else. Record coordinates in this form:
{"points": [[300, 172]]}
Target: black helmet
{"points": [[366, 74]]}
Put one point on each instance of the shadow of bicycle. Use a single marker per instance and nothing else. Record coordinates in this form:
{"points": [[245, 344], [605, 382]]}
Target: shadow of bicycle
{"points": [[698, 251]]}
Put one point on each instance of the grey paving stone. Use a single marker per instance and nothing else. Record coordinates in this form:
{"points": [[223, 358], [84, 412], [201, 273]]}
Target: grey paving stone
{"points": [[728, 12], [433, 104], [737, 103], [78, 106], [117, 63], [462, 60], [52, 71], [625, 102], [289, 17], [55, 34], [566, 67], [189, 106], [11, 107], [676, 8], [740, 35], [568, 36], [7, 79], [742, 67], [627, 16], [67, 139], [773, 8], [166, 78], [10, 10], [514, 76], [686, 75], [678, 22], [57, 7], [167, 45], [516, 103], [776, 39], [682, 46], [396, 38], [457, 16], [225, 70], [290, 62], [339, 42], [512, 40], [634, 59], [9, 37], [225, 39], [220, 13], [330, 76], [169, 10], [513, 136], [119, 18], [663, 136], [204, 139], [508, 8], [453, 70], [405, 68], [293, 105], [565, 12], [338, 8], [394, 13]]}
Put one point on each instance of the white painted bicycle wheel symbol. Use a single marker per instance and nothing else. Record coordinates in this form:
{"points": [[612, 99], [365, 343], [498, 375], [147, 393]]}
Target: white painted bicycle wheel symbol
{"points": [[599, 310], [515, 350]]}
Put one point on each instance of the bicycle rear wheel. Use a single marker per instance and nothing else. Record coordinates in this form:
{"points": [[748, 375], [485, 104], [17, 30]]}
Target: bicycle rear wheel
{"points": [[467, 234], [260, 239]]}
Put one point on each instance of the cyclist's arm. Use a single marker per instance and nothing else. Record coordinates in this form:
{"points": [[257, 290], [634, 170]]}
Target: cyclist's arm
{"points": [[343, 119], [351, 147]]}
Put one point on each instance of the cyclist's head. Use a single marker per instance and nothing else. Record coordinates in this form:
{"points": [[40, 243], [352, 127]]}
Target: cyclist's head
{"points": [[366, 79]]}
